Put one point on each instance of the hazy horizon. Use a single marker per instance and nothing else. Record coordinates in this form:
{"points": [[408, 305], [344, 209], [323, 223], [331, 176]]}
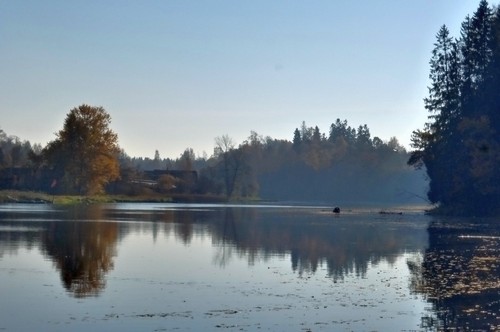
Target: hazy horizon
{"points": [[175, 75]]}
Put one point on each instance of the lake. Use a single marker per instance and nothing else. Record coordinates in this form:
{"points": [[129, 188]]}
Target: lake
{"points": [[192, 267]]}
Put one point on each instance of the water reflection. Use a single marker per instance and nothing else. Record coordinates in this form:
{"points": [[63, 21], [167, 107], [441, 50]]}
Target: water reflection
{"points": [[82, 241], [82, 252], [460, 275], [344, 245], [455, 264]]}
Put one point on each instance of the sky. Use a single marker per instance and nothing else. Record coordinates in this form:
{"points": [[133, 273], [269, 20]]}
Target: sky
{"points": [[176, 74]]}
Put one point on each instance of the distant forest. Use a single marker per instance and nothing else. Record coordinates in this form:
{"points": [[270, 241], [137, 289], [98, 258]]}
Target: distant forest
{"points": [[344, 166], [460, 144]]}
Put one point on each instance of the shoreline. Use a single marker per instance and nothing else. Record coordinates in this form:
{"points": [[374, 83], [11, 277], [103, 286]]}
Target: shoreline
{"points": [[30, 197]]}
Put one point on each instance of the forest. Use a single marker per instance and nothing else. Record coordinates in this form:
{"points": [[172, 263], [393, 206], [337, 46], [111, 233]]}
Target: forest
{"points": [[460, 144], [344, 166]]}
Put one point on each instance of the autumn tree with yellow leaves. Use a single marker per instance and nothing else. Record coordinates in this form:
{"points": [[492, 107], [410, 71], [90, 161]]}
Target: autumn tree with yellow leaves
{"points": [[85, 152]]}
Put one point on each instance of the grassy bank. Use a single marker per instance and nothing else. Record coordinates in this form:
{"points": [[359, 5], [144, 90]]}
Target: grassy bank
{"points": [[15, 196]]}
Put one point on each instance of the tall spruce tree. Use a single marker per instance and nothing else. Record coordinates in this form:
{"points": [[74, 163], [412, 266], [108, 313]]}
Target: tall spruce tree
{"points": [[492, 91], [459, 145], [476, 51], [437, 142], [296, 139], [474, 166], [444, 92]]}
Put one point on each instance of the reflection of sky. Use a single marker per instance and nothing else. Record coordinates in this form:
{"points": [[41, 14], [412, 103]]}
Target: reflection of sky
{"points": [[31, 291], [189, 276], [24, 259]]}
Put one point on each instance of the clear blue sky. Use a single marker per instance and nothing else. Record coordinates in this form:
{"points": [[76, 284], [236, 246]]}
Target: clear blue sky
{"points": [[175, 74]]}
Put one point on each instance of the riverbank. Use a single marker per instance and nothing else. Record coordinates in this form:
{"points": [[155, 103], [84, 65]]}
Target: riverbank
{"points": [[27, 197]]}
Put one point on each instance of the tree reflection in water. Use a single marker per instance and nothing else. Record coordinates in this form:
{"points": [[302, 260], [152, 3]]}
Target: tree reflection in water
{"points": [[82, 250], [459, 272], [82, 240], [311, 237], [344, 245], [460, 275]]}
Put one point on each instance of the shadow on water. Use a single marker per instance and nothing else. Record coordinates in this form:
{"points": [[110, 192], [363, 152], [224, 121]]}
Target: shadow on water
{"points": [[460, 275]]}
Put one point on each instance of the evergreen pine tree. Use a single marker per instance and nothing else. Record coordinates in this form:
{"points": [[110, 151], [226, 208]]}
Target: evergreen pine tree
{"points": [[438, 141], [459, 145], [296, 139]]}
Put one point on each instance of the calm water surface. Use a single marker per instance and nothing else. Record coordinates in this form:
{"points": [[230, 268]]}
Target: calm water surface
{"points": [[163, 267]]}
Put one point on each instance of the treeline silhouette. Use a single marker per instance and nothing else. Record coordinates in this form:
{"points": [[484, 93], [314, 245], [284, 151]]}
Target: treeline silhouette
{"points": [[346, 165], [460, 145]]}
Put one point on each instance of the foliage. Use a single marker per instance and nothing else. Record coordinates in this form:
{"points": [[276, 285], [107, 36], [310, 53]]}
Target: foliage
{"points": [[16, 153], [345, 165], [231, 162], [85, 152], [460, 145]]}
